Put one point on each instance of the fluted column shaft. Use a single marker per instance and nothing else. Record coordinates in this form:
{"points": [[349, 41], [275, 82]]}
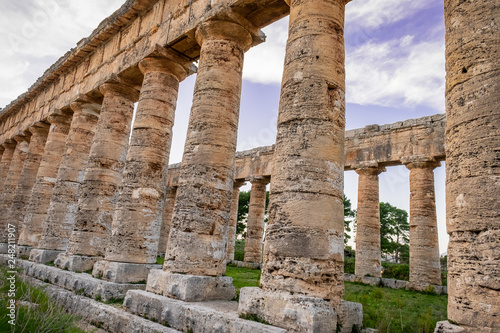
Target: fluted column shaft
{"points": [[198, 236], [103, 173], [473, 163], [233, 222], [59, 218], [368, 249], [45, 179], [168, 212], [425, 267], [255, 221], [306, 227], [9, 148], [11, 181], [138, 215]]}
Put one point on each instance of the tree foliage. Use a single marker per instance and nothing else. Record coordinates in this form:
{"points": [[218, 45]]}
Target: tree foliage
{"points": [[243, 206], [349, 217], [394, 233]]}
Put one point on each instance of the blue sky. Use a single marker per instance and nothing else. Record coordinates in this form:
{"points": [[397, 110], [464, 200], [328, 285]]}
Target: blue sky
{"points": [[394, 71]]}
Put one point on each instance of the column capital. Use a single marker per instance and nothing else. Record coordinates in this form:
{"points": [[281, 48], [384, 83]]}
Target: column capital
{"points": [[39, 128], [238, 183], [9, 143], [120, 89], [179, 68], [225, 30], [58, 116], [423, 164], [264, 180], [370, 170], [22, 137]]}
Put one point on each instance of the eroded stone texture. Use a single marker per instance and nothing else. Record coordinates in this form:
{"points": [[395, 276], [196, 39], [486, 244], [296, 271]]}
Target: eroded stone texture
{"points": [[425, 266], [11, 181], [368, 223], [198, 238], [473, 163], [58, 223], [233, 221], [255, 220], [138, 215], [103, 173], [168, 211], [303, 249], [8, 153], [45, 180], [39, 134]]}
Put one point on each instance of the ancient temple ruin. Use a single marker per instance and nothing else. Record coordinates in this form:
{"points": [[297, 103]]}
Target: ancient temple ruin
{"points": [[89, 191]]}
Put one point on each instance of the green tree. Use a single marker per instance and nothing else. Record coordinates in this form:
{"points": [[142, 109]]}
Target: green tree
{"points": [[394, 232], [349, 217], [243, 206]]}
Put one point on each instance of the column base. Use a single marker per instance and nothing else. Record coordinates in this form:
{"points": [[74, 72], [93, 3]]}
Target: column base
{"points": [[23, 251], [298, 313], [4, 248], [190, 288], [75, 263], [43, 256], [122, 272], [446, 327]]}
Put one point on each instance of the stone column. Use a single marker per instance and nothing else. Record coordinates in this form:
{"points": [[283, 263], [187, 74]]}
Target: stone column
{"points": [[9, 148], [45, 179], [198, 237], [473, 163], [368, 223], [255, 221], [59, 218], [98, 191], [233, 222], [10, 185], [27, 179], [306, 215], [425, 267], [136, 225], [168, 211]]}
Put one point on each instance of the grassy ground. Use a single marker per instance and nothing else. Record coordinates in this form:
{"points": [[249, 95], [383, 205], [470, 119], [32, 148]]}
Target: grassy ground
{"points": [[35, 311], [389, 310], [239, 249]]}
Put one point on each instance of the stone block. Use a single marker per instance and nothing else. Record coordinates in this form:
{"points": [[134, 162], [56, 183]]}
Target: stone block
{"points": [[4, 247], [350, 315], [372, 281], [75, 263], [295, 313], [349, 277], [42, 256], [446, 327], [23, 251], [190, 288], [121, 272], [389, 283], [200, 317]]}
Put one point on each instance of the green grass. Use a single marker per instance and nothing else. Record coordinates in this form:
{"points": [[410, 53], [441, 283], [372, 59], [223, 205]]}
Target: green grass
{"points": [[35, 311], [160, 260], [389, 310], [239, 250]]}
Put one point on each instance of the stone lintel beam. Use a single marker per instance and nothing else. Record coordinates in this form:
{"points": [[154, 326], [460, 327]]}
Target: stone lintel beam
{"points": [[255, 220], [233, 222], [368, 249]]}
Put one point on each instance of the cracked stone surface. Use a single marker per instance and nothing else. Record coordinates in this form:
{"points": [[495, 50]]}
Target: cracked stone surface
{"points": [[255, 221]]}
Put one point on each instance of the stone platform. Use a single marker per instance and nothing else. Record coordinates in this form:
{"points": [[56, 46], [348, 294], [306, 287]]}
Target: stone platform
{"points": [[394, 284]]}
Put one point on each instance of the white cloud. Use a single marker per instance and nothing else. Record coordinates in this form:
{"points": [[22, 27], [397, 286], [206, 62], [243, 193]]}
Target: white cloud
{"points": [[395, 72]]}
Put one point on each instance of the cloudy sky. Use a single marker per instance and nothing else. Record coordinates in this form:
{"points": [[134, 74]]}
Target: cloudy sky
{"points": [[394, 65]]}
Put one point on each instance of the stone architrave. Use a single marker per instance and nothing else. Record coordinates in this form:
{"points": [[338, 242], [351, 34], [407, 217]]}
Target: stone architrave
{"points": [[59, 218], [255, 221], [11, 181], [199, 233], [97, 196], [233, 222], [9, 148], [368, 250], [473, 163], [137, 219], [306, 214], [45, 179], [168, 211], [39, 133], [425, 266]]}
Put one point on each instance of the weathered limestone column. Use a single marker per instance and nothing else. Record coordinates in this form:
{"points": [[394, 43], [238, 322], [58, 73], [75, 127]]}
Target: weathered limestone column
{"points": [[255, 221], [304, 245], [233, 222], [368, 253], [9, 148], [39, 133], [198, 237], [473, 163], [59, 218], [92, 226], [45, 179], [168, 212], [10, 185], [425, 267], [136, 225]]}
